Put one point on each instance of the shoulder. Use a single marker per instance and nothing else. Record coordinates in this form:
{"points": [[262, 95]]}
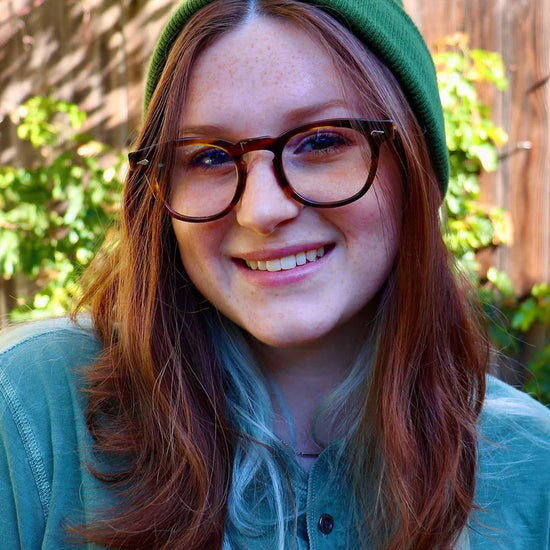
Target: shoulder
{"points": [[44, 441], [41, 367], [45, 335], [514, 430], [508, 411], [514, 438], [45, 352], [513, 479]]}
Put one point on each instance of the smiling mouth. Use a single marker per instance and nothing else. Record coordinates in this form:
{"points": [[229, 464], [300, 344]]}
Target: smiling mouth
{"points": [[287, 262]]}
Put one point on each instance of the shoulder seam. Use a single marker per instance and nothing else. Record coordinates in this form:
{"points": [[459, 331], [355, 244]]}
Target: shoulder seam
{"points": [[28, 438]]}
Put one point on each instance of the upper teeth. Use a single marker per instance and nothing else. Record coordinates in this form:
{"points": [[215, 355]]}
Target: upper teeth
{"points": [[288, 262]]}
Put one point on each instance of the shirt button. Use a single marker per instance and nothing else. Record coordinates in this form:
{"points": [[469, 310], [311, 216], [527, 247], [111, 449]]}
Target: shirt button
{"points": [[326, 524]]}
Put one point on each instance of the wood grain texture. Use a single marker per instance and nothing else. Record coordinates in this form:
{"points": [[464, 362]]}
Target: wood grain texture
{"points": [[518, 29]]}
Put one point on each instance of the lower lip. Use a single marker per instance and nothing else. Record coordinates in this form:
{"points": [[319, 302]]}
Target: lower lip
{"points": [[283, 277]]}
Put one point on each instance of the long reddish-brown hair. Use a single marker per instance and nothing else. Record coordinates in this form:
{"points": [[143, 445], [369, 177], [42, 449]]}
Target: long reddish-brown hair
{"points": [[156, 395]]}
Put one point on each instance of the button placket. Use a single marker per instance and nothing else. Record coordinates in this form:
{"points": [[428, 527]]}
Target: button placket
{"points": [[323, 520]]}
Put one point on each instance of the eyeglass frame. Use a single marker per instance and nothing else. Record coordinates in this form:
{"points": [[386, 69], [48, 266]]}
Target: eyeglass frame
{"points": [[376, 133]]}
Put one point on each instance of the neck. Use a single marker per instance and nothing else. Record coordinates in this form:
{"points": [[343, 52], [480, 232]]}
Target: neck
{"points": [[306, 374], [324, 362], [302, 377]]}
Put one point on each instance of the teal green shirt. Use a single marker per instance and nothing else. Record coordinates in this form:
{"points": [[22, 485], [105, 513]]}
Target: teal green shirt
{"points": [[45, 448]]}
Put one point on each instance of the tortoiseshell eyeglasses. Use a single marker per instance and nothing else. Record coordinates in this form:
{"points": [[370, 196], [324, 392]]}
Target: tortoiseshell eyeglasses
{"points": [[324, 164]]}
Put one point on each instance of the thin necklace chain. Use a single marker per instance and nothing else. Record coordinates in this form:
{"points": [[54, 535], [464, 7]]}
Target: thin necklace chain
{"points": [[301, 454]]}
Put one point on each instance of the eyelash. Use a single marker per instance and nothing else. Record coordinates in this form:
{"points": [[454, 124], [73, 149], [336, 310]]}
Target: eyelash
{"points": [[338, 141], [200, 159]]}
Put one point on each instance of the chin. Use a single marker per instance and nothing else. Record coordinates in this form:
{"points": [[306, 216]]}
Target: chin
{"points": [[290, 338]]}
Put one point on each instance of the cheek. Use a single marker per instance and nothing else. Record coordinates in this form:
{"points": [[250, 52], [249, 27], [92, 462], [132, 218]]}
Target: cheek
{"points": [[183, 238], [197, 249], [378, 220], [390, 221], [388, 196], [374, 229]]}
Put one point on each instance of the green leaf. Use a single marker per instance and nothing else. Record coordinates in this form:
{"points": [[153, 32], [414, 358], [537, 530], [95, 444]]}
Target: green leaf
{"points": [[53, 215]]}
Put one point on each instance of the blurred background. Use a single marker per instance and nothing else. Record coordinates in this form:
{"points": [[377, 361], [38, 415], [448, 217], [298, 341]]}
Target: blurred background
{"points": [[71, 91]]}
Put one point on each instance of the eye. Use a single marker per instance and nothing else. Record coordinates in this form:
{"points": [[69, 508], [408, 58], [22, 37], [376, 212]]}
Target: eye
{"points": [[322, 141], [206, 158]]}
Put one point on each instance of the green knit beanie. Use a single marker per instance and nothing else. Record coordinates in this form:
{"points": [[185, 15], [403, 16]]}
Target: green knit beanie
{"points": [[385, 28]]}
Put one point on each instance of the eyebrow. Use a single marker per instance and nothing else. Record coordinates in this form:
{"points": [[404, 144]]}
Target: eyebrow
{"points": [[205, 130], [291, 118], [308, 112]]}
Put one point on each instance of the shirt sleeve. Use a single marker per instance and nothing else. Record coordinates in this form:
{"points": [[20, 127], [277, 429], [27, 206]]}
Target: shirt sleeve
{"points": [[23, 504], [44, 479]]}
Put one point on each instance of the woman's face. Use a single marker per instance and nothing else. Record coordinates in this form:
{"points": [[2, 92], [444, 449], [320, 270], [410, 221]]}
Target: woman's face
{"points": [[261, 80]]}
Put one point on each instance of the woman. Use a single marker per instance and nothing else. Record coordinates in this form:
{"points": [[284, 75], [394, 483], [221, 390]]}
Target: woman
{"points": [[281, 356]]}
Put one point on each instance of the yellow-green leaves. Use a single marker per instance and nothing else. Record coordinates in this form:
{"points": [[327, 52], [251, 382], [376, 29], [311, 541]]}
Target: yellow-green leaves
{"points": [[54, 214]]}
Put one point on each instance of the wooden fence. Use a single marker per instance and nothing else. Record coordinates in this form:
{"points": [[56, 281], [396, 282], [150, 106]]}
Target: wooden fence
{"points": [[518, 29], [95, 53]]}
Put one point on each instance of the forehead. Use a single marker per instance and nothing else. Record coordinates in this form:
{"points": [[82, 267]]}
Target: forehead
{"points": [[261, 73]]}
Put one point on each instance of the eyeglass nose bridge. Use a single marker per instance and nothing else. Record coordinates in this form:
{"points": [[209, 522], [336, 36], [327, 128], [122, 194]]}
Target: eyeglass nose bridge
{"points": [[262, 143], [274, 145]]}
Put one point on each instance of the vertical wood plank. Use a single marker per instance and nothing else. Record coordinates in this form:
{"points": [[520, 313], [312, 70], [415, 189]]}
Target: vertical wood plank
{"points": [[518, 29]]}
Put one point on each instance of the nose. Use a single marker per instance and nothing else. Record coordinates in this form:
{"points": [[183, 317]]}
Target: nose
{"points": [[264, 205]]}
